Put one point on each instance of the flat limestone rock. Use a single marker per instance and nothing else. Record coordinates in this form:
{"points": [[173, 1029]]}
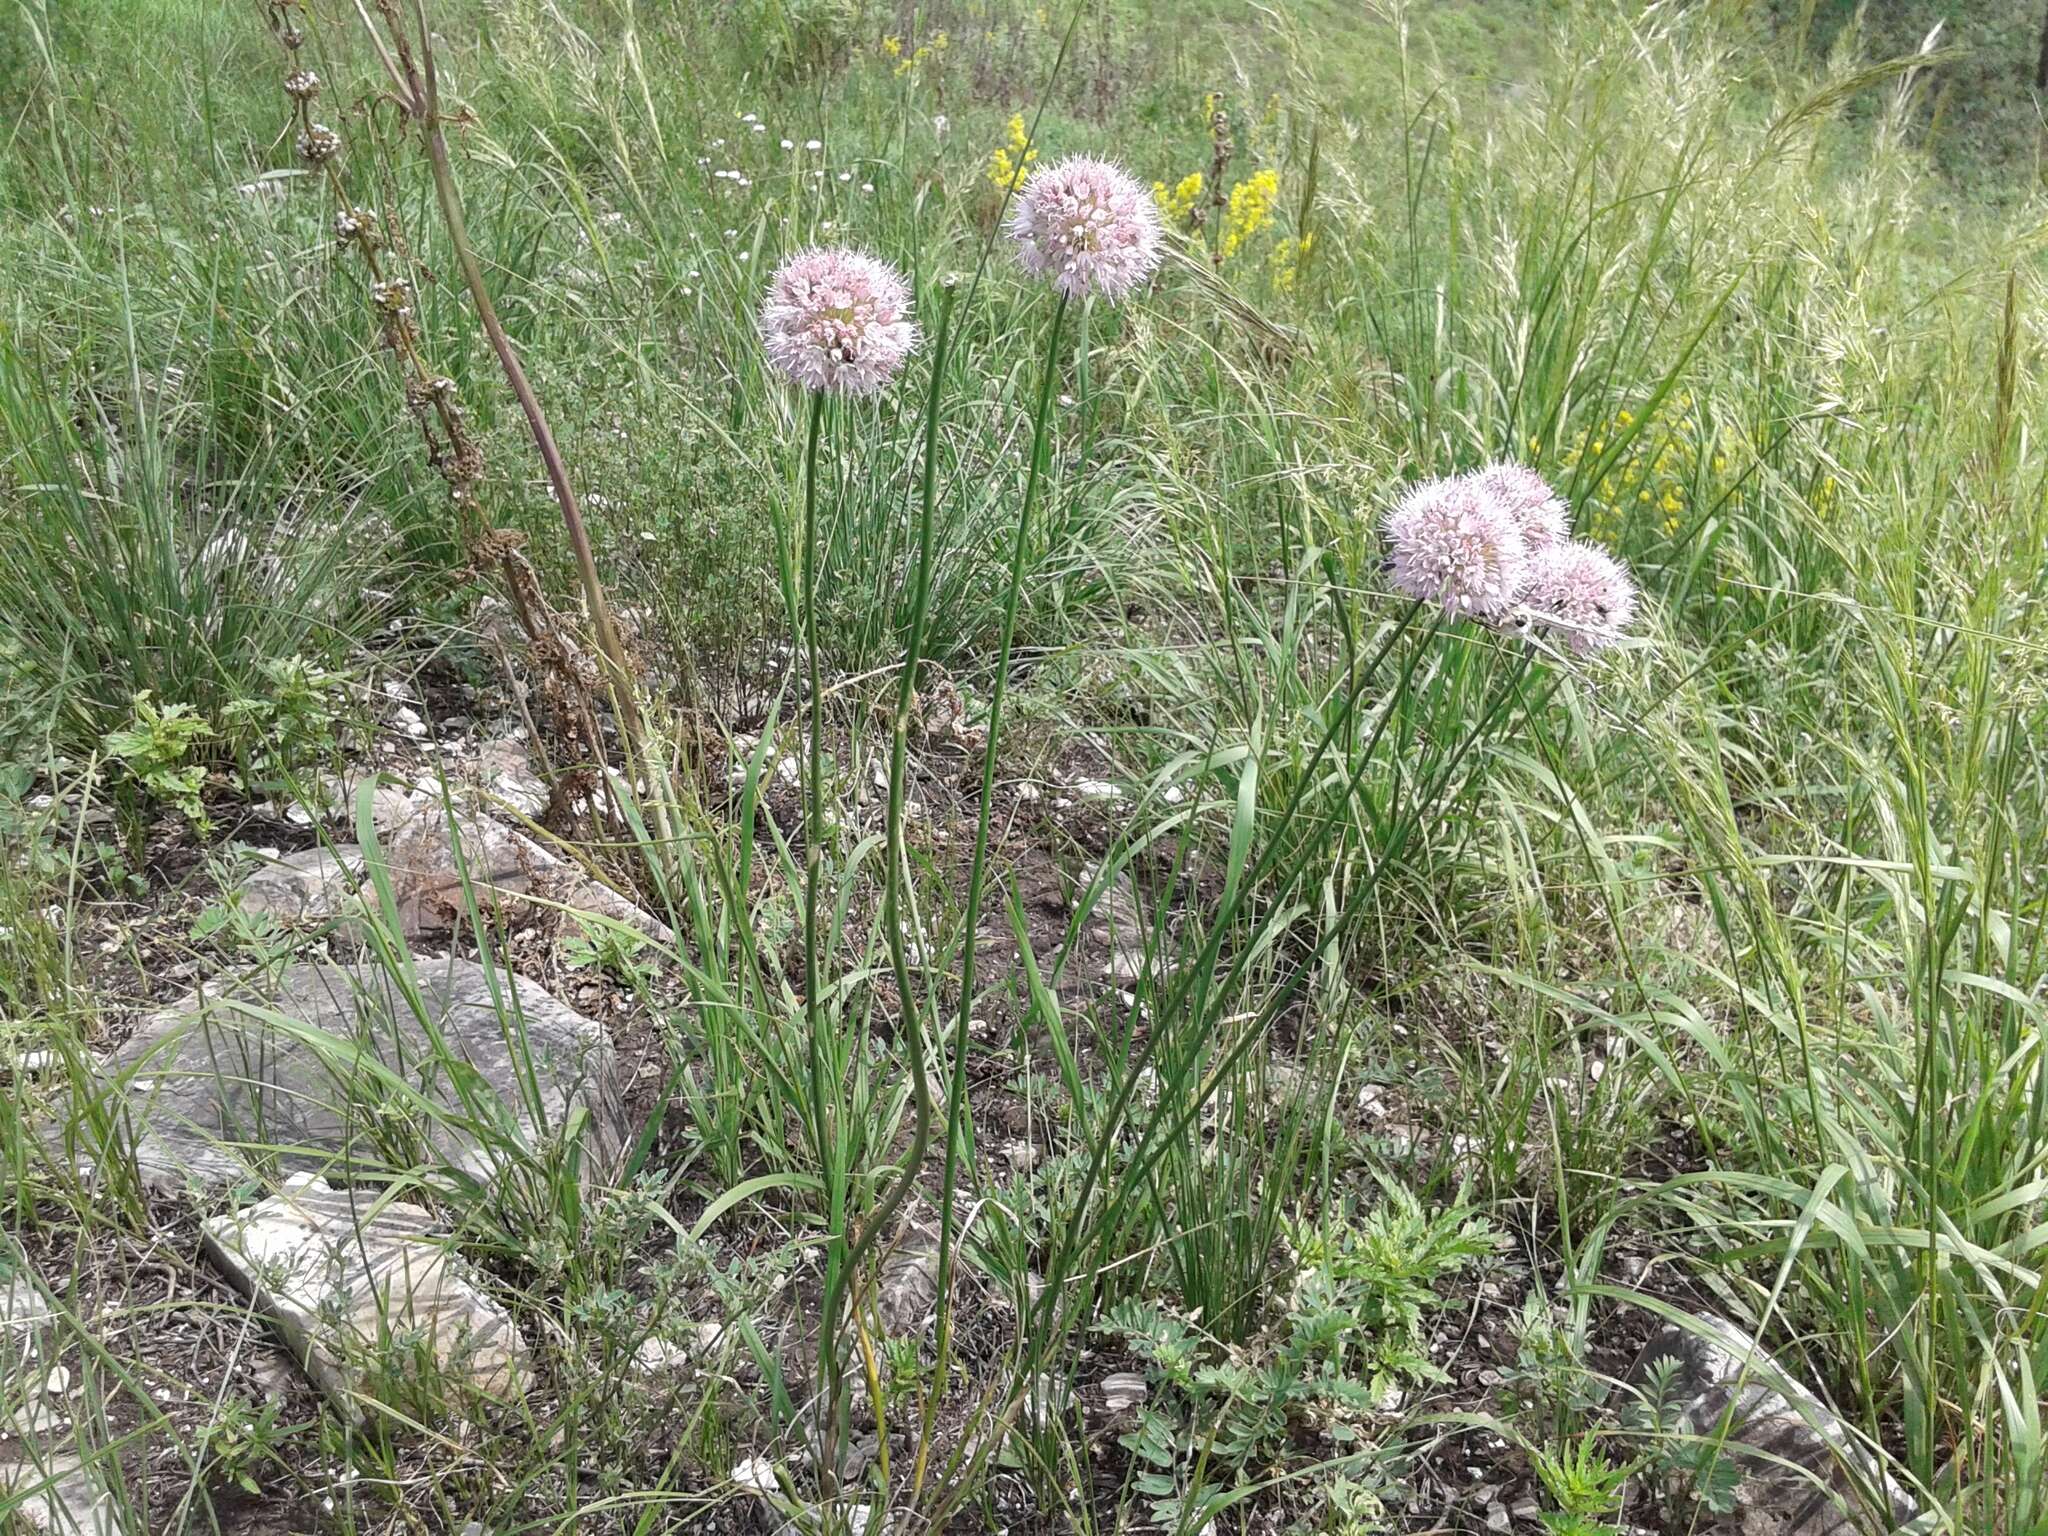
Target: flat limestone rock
{"points": [[430, 857], [1804, 1474], [506, 870], [297, 1073], [39, 1456], [364, 1294], [312, 885]]}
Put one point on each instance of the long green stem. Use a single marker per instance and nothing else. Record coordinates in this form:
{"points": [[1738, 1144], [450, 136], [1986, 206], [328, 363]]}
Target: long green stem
{"points": [[814, 792], [899, 756], [823, 1134], [978, 873]]}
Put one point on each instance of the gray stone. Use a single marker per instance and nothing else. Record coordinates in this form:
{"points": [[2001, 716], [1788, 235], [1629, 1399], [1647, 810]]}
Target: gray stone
{"points": [[508, 873], [1804, 1473], [40, 1425], [290, 1072], [503, 773], [1123, 1390], [333, 797], [363, 1293], [908, 1294], [313, 885]]}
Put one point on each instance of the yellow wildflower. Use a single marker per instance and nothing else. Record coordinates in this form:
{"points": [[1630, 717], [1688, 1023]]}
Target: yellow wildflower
{"points": [[1177, 203], [1250, 209], [1012, 161], [893, 47], [1288, 255]]}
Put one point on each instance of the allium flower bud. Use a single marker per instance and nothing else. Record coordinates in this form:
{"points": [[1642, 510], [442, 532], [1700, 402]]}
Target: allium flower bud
{"points": [[1579, 593], [302, 85], [837, 320], [319, 144], [291, 37], [1527, 498], [1087, 225], [1448, 544]]}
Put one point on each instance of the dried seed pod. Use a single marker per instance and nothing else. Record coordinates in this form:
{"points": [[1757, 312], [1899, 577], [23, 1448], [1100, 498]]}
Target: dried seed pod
{"points": [[319, 144], [358, 225], [302, 85]]}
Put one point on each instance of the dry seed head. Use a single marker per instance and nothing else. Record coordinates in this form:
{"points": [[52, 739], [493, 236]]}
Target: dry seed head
{"points": [[319, 144], [302, 85], [356, 224]]}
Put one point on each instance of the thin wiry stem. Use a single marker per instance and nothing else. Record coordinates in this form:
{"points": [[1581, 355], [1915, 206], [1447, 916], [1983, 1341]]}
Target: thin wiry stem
{"points": [[899, 751], [956, 1095], [822, 1132]]}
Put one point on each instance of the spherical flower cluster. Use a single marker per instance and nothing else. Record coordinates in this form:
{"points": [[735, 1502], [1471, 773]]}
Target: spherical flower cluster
{"points": [[1527, 498], [1451, 545], [1581, 594], [319, 144], [837, 320], [302, 85], [1495, 545], [1087, 225]]}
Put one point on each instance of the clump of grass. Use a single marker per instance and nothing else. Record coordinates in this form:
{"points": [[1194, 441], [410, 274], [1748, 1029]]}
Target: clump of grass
{"points": [[137, 561], [1724, 943]]}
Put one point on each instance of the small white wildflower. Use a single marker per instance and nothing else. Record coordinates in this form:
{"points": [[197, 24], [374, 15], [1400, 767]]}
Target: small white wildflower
{"points": [[814, 144]]}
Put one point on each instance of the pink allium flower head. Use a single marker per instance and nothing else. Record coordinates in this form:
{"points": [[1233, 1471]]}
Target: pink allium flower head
{"points": [[1526, 497], [1088, 226], [837, 320], [1581, 594], [1448, 544]]}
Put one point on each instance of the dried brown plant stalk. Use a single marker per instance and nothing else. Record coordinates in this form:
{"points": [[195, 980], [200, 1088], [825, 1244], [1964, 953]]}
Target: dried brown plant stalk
{"points": [[569, 678]]}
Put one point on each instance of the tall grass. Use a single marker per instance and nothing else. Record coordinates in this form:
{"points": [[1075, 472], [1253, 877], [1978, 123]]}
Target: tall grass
{"points": [[1729, 948]]}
